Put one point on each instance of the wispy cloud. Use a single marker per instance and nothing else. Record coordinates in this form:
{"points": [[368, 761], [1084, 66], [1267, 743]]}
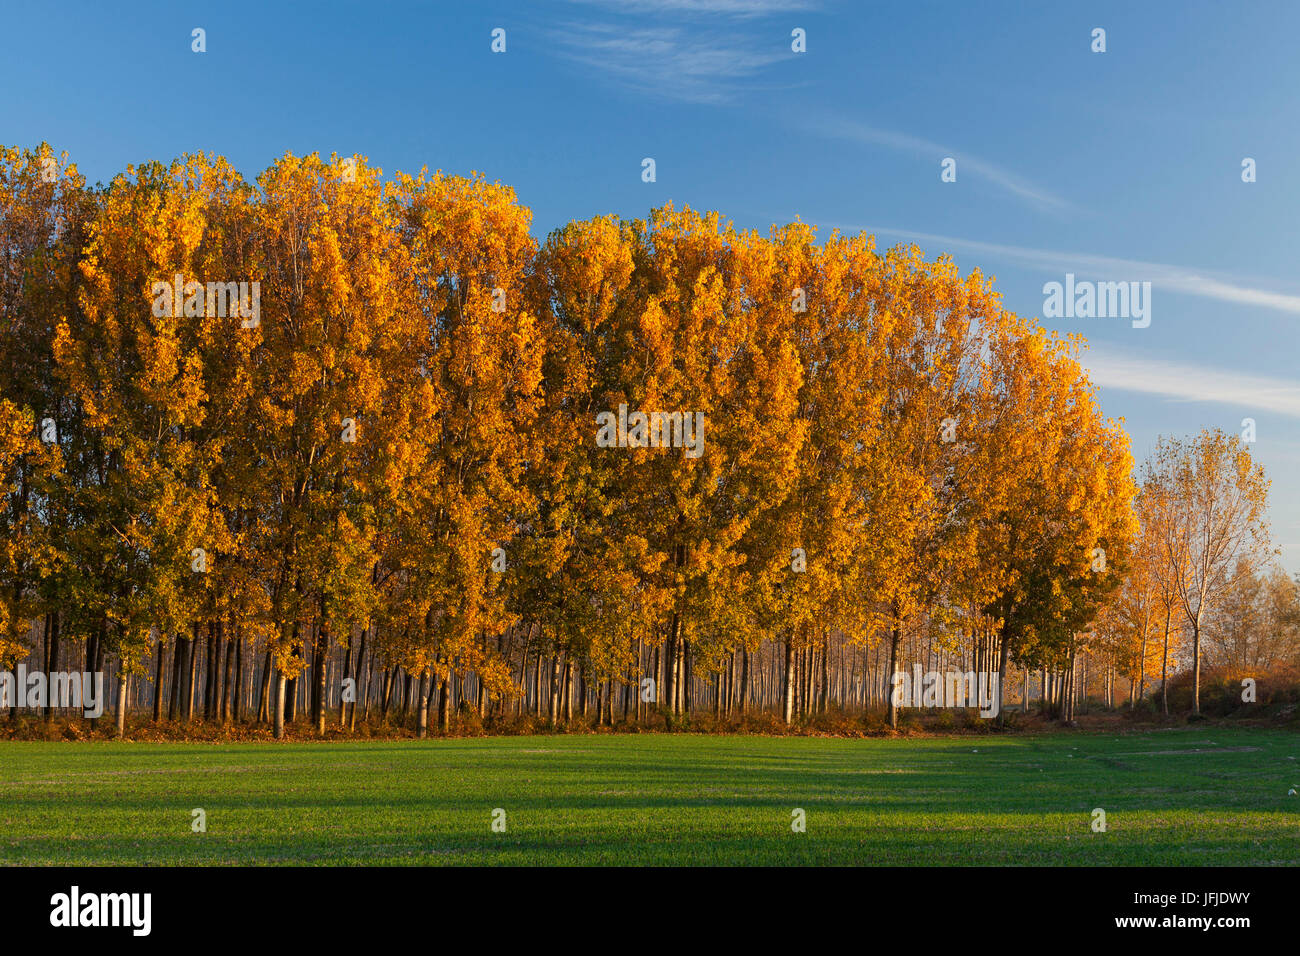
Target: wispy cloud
{"points": [[855, 132], [1179, 279], [671, 62], [1182, 382]]}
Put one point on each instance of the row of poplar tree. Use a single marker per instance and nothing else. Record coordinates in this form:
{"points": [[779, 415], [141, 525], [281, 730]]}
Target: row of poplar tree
{"points": [[397, 462]]}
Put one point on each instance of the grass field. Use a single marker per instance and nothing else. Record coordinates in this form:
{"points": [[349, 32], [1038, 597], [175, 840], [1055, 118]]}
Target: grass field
{"points": [[1202, 796]]}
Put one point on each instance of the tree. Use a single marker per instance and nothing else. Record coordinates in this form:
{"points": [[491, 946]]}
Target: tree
{"points": [[1218, 497], [1055, 507], [335, 318], [474, 365], [43, 208]]}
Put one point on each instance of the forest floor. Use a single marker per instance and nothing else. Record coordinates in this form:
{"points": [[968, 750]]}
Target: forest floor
{"points": [[1200, 795]]}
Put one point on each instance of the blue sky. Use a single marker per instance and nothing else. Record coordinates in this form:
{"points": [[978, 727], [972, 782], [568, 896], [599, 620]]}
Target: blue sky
{"points": [[1119, 166]]}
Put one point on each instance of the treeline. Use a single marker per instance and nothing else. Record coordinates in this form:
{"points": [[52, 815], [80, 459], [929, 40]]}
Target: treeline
{"points": [[1201, 586], [266, 444]]}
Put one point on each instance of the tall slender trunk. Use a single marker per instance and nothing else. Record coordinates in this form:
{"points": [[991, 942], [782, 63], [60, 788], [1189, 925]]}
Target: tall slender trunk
{"points": [[191, 672], [1142, 663], [296, 650], [1164, 668], [321, 661], [386, 692], [52, 664], [347, 675], [264, 702], [629, 685], [237, 697], [282, 688], [362, 671], [554, 689], [688, 670], [743, 703], [824, 699], [566, 680], [178, 656], [669, 689], [658, 680], [210, 677], [537, 682], [1196, 662], [158, 651], [226, 686], [481, 698], [422, 728], [787, 713], [122, 678], [1004, 655], [442, 707], [895, 636]]}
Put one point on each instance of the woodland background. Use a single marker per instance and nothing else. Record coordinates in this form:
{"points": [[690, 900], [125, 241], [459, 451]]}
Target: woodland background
{"points": [[896, 470]]}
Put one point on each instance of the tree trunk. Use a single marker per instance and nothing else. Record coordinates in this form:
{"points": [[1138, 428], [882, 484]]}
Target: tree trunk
{"points": [[422, 730], [174, 699], [386, 692], [321, 661], [182, 658], [291, 705], [210, 675], [192, 668], [669, 690], [1164, 670], [824, 699], [282, 688], [237, 696], [1004, 655], [787, 713], [362, 670], [1196, 662], [554, 689], [347, 675], [688, 675], [53, 664], [122, 678], [743, 703], [443, 726], [565, 680], [226, 683], [582, 690], [264, 702], [159, 650], [895, 636], [1142, 663]]}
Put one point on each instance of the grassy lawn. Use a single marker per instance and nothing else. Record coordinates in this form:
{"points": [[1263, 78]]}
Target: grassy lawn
{"points": [[1202, 795]]}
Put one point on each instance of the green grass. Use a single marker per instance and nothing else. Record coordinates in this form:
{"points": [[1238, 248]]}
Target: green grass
{"points": [[1202, 795]]}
